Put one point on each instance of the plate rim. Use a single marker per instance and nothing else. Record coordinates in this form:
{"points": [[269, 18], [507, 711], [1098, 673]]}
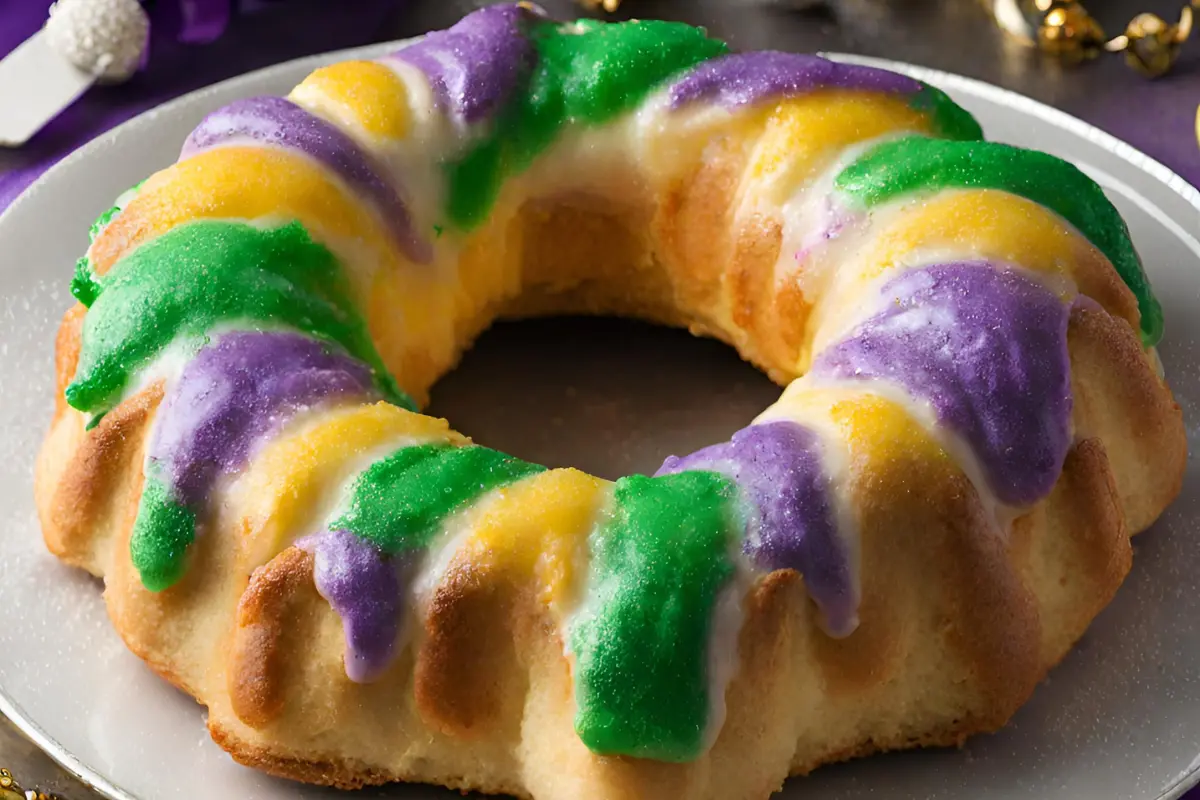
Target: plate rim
{"points": [[1190, 194]]}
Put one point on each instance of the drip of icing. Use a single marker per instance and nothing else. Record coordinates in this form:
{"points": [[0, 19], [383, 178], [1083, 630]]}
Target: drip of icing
{"points": [[778, 466], [205, 272], [233, 394], [911, 164], [278, 122], [641, 639], [161, 535], [586, 73], [399, 503], [986, 346], [365, 588], [102, 222], [366, 559], [742, 79], [474, 66], [84, 285]]}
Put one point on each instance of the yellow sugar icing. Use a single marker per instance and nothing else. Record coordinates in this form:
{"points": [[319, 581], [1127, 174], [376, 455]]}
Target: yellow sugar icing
{"points": [[871, 426], [239, 182], [803, 133], [537, 528], [363, 94], [289, 479], [883, 431], [982, 224], [956, 225]]}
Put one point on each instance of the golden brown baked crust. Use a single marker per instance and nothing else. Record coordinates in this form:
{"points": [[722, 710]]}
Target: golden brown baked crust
{"points": [[959, 619], [959, 623]]}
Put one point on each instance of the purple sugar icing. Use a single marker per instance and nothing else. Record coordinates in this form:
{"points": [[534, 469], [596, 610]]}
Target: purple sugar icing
{"points": [[986, 345], [364, 587], [474, 66], [235, 392], [778, 465], [280, 122], [743, 79]]}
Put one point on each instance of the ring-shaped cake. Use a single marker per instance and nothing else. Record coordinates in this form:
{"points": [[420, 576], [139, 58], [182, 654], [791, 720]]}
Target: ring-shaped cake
{"points": [[893, 554]]}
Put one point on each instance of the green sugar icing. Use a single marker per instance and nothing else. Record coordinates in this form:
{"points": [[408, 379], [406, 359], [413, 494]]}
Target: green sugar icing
{"points": [[951, 120], [161, 535], [400, 502], [917, 164], [198, 275], [84, 285], [641, 641], [102, 222], [108, 216], [587, 72]]}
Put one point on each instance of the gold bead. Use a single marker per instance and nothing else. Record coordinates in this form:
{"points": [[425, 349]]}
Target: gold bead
{"points": [[1150, 44], [1069, 32], [608, 5], [9, 790]]}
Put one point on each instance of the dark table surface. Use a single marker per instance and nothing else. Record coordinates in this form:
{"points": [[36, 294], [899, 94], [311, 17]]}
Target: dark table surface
{"points": [[1157, 117]]}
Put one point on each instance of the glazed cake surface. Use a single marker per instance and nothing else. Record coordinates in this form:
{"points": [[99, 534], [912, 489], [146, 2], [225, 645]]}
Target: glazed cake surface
{"points": [[973, 421]]}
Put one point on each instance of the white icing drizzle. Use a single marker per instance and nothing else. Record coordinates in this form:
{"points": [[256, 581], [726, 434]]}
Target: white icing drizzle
{"points": [[724, 654], [433, 139]]}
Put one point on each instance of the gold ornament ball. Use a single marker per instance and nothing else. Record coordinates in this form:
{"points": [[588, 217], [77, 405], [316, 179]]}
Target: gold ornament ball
{"points": [[1150, 44], [1069, 32]]}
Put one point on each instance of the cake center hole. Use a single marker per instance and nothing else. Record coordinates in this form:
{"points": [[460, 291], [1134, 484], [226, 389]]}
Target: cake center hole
{"points": [[611, 397]]}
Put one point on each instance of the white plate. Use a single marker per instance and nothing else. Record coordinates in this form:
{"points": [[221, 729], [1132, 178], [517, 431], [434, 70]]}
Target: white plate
{"points": [[1119, 719]]}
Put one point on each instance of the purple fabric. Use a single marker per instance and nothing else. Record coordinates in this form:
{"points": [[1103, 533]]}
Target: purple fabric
{"points": [[474, 65], [1157, 117], [778, 466], [277, 121], [191, 21], [236, 391], [365, 588], [986, 345], [262, 35], [742, 79]]}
